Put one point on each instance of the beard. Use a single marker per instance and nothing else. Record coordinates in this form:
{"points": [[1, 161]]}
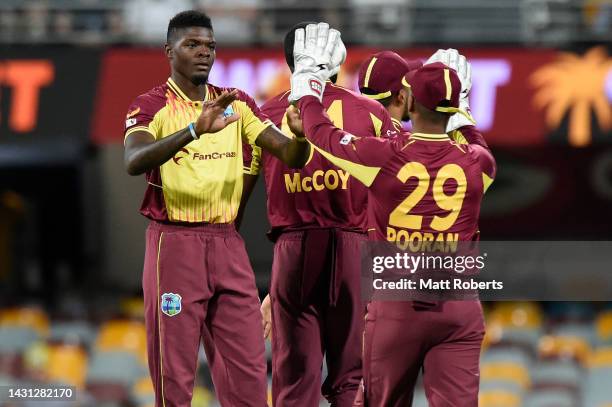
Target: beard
{"points": [[406, 115], [199, 79]]}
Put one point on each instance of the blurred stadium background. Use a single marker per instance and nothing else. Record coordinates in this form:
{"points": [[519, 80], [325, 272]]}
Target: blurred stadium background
{"points": [[71, 238]]}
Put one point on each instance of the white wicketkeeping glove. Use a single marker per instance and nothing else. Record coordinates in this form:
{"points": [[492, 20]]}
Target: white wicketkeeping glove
{"points": [[338, 56], [453, 59], [315, 54]]}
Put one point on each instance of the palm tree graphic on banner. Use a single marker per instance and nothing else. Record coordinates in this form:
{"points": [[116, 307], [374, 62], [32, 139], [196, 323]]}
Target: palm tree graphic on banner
{"points": [[580, 85]]}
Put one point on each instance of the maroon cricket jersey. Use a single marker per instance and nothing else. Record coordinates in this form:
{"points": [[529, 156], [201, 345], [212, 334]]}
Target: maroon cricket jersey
{"points": [[422, 188], [322, 194]]}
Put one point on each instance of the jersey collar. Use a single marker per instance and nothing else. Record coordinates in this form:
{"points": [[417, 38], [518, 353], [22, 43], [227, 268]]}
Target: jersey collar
{"points": [[430, 137], [397, 124], [175, 88]]}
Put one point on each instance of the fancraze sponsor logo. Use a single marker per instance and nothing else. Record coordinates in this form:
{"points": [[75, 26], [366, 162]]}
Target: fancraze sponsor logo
{"points": [[213, 156], [183, 152], [320, 180]]}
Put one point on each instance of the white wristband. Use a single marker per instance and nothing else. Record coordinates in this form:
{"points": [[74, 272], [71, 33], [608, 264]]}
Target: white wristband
{"points": [[192, 131]]}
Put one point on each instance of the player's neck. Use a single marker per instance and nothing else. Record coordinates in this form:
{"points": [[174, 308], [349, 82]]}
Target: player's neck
{"points": [[427, 128], [193, 92], [395, 113]]}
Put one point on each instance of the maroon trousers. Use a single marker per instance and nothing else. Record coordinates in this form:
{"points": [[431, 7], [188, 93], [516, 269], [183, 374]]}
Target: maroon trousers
{"points": [[402, 337], [316, 310], [198, 284]]}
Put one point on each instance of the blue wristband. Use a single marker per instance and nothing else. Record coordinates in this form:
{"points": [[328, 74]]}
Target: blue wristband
{"points": [[192, 131]]}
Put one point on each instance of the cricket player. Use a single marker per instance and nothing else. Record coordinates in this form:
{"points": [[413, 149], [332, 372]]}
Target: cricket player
{"points": [[380, 79], [422, 184], [188, 136], [318, 218]]}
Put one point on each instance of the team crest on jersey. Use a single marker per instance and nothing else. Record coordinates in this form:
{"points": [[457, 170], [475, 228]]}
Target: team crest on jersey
{"points": [[346, 139], [171, 304], [130, 122], [228, 111]]}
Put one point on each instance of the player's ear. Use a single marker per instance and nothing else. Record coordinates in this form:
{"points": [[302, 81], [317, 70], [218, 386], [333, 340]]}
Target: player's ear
{"points": [[169, 51], [401, 97], [411, 102]]}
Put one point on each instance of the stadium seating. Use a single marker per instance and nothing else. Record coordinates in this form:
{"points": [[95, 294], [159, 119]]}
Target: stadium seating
{"points": [[498, 398], [67, 364], [550, 398], [532, 359], [603, 325], [561, 375], [26, 317], [73, 332], [123, 335], [142, 393], [565, 347]]}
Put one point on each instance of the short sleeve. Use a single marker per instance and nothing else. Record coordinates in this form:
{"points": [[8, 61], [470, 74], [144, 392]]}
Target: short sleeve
{"points": [[141, 116], [253, 120], [251, 158]]}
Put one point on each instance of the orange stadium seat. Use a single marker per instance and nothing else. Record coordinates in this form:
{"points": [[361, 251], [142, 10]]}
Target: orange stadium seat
{"points": [[565, 347], [601, 358], [67, 364], [498, 398], [123, 335], [603, 325], [143, 393], [522, 315], [30, 317]]}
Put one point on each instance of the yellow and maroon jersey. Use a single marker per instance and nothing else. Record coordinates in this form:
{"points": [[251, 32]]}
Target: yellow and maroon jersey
{"points": [[203, 181], [422, 187], [322, 194]]}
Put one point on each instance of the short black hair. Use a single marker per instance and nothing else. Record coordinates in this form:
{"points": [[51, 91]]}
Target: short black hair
{"points": [[289, 41], [186, 19]]}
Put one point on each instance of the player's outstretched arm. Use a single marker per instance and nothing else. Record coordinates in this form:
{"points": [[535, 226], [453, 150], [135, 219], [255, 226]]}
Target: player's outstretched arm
{"points": [[471, 135], [292, 151], [360, 157], [143, 152]]}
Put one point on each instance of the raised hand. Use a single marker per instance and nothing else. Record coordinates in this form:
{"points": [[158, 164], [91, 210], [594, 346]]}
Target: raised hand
{"points": [[211, 119], [453, 59], [294, 121], [317, 51]]}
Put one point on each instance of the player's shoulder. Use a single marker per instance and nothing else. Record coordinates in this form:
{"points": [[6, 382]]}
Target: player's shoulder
{"points": [[336, 91], [276, 102], [356, 98], [242, 95], [480, 154], [152, 100]]}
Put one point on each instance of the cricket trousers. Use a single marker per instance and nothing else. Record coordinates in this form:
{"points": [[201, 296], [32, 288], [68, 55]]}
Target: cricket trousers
{"points": [[316, 310], [198, 285], [401, 337]]}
